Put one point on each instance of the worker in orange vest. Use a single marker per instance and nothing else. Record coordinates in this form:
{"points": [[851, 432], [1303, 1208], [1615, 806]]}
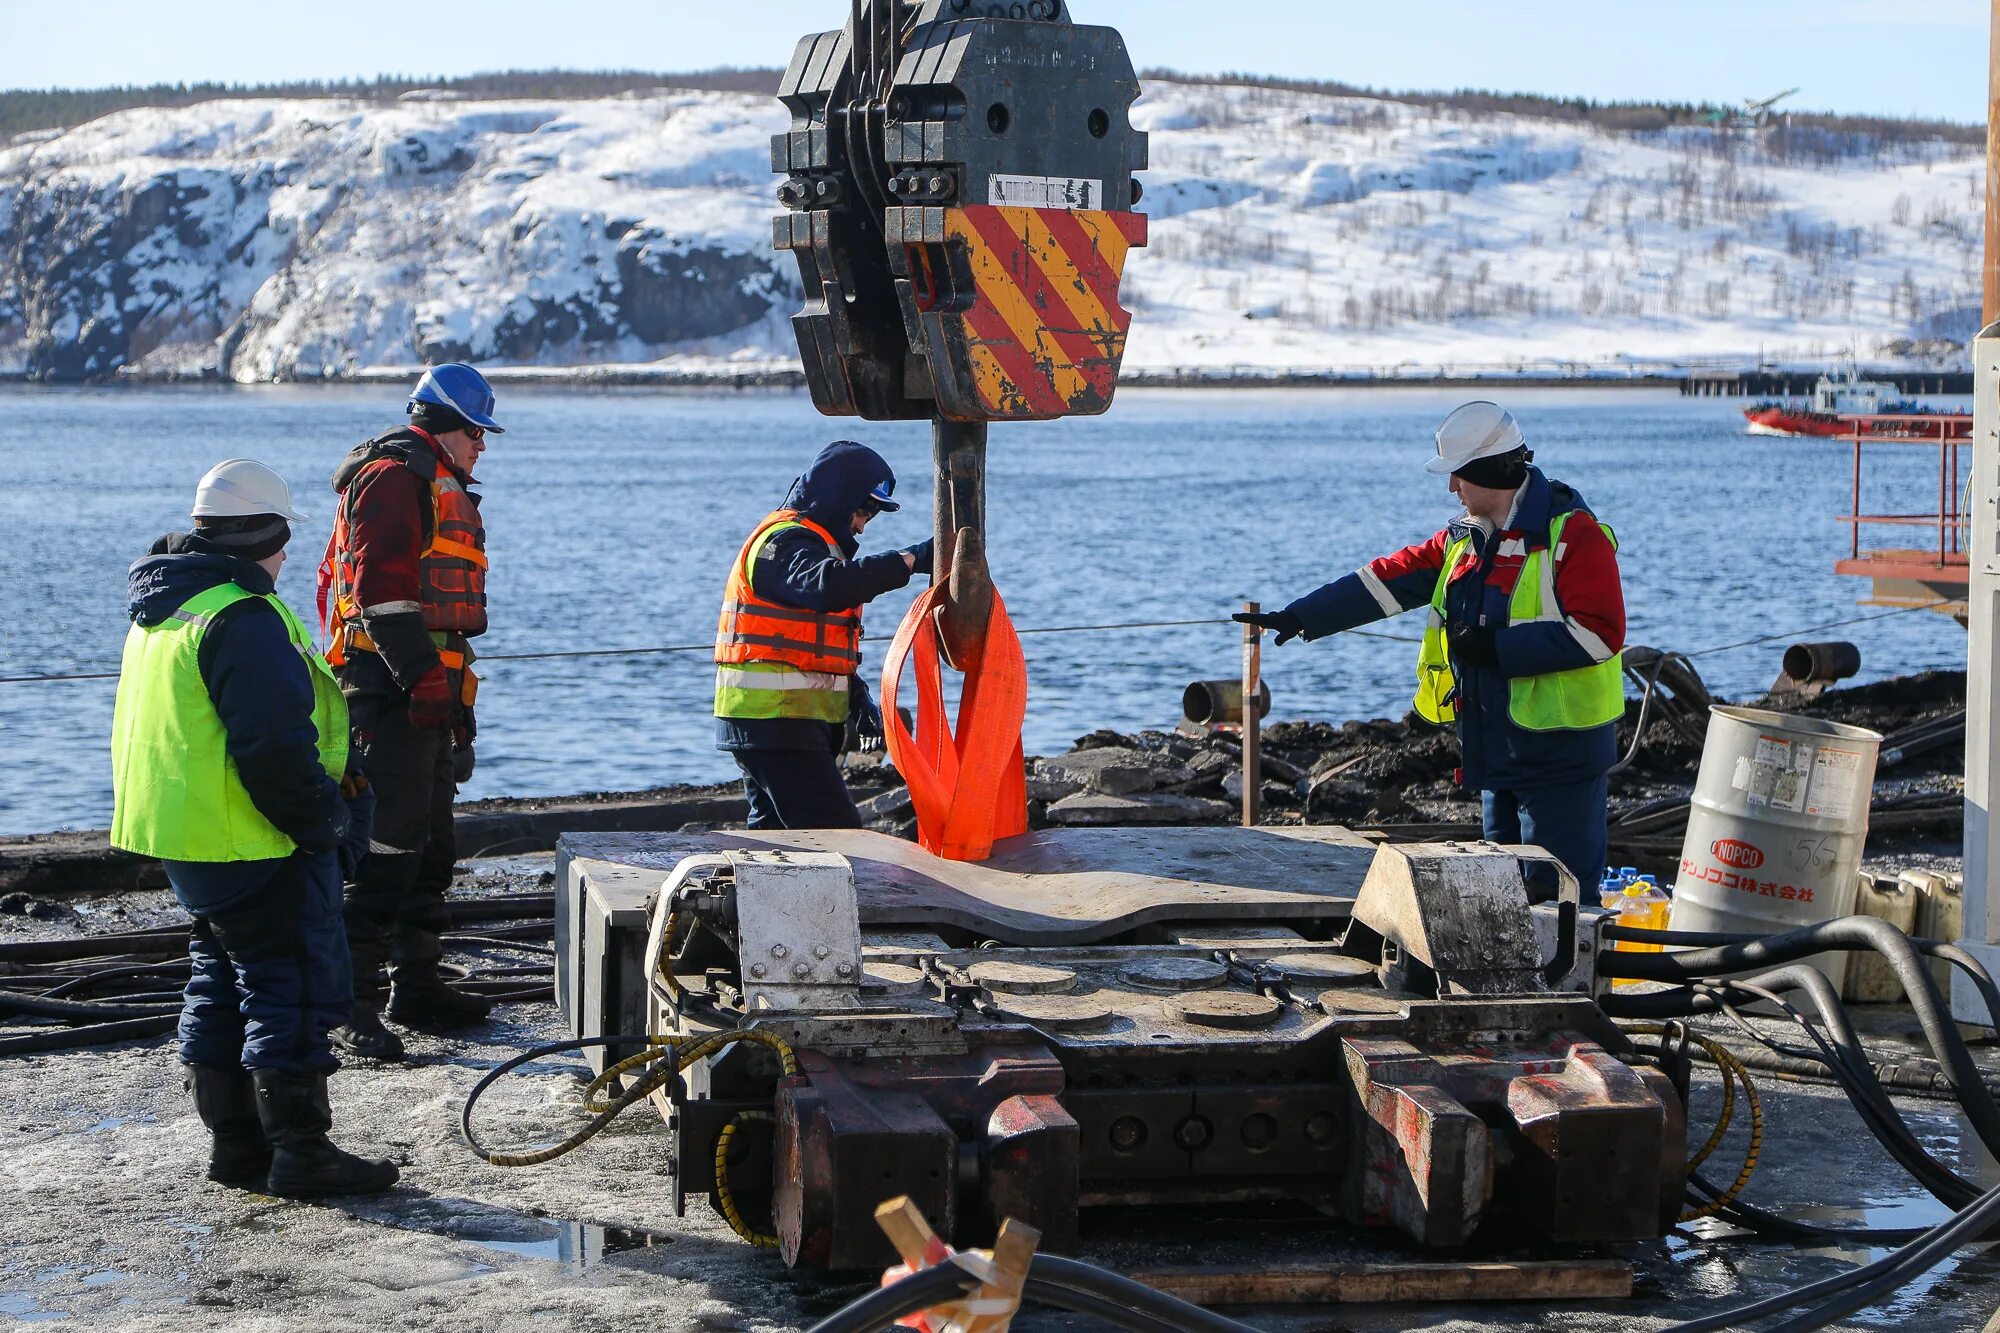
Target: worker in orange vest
{"points": [[403, 589], [788, 646]]}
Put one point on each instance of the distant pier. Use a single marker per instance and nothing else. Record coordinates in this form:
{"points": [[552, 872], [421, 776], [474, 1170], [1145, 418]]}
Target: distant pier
{"points": [[1798, 383]]}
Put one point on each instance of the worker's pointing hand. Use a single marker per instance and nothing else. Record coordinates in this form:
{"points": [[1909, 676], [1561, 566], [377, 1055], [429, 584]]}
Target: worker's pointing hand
{"points": [[1286, 623]]}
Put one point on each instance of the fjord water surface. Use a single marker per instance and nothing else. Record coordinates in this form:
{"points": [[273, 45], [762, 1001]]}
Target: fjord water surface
{"points": [[613, 515]]}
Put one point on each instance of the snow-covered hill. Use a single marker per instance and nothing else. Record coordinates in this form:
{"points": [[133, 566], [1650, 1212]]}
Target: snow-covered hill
{"points": [[1296, 231]]}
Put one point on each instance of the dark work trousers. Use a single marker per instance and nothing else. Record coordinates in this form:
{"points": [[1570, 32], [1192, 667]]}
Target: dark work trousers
{"points": [[396, 903], [793, 789], [270, 974], [1568, 822]]}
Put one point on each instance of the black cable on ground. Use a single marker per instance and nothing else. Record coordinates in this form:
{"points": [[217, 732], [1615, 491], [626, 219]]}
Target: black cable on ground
{"points": [[92, 980], [80, 1011], [1054, 1271], [96, 1034], [162, 942], [638, 1093]]}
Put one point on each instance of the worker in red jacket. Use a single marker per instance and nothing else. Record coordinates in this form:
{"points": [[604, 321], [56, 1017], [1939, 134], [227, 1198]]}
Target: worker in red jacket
{"points": [[405, 583], [1526, 625]]}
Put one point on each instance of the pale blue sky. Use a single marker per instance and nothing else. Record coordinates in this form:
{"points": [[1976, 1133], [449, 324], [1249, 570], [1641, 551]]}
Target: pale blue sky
{"points": [[1925, 57]]}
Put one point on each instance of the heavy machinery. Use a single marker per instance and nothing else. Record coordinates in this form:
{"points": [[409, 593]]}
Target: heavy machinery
{"points": [[1393, 1034], [1089, 1017]]}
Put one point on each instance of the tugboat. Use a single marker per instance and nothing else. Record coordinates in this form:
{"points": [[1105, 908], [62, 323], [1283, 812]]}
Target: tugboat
{"points": [[1842, 406]]}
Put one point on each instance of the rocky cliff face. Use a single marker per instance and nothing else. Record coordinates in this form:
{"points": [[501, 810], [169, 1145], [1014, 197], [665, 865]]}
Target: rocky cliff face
{"points": [[297, 239], [1292, 231]]}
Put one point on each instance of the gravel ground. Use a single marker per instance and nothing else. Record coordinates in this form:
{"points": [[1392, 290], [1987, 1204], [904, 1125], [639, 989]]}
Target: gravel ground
{"points": [[110, 1226]]}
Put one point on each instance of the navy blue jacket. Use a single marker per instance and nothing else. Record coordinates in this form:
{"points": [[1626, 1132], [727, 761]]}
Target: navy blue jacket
{"points": [[262, 690], [1496, 754], [794, 568]]}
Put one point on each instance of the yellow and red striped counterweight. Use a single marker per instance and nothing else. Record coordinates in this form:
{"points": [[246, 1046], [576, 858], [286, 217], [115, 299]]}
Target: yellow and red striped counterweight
{"points": [[1016, 308]]}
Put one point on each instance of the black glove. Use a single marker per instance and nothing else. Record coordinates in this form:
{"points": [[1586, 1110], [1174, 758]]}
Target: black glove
{"points": [[360, 798], [864, 718], [462, 761], [1473, 645], [1287, 623], [921, 553]]}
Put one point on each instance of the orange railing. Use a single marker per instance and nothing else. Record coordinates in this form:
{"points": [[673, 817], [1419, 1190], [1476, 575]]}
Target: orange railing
{"points": [[1948, 434]]}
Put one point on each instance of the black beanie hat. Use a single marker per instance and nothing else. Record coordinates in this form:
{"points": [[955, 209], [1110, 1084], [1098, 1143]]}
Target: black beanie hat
{"points": [[1502, 472], [436, 418], [251, 536]]}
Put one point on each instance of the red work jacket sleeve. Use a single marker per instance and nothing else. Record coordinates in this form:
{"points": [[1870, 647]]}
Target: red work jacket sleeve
{"points": [[385, 531], [1593, 605]]}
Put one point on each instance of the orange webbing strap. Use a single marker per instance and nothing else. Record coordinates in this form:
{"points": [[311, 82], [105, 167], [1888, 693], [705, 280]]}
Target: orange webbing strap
{"points": [[969, 786]]}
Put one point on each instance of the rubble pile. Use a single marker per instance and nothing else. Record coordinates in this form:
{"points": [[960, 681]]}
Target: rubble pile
{"points": [[1399, 775]]}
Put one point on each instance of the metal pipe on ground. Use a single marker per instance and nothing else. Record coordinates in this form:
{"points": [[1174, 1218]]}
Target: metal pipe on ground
{"points": [[1212, 702], [1821, 663]]}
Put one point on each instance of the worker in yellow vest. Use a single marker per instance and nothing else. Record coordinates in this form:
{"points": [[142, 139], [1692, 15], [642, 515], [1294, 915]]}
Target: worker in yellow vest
{"points": [[230, 763], [788, 645], [1522, 647]]}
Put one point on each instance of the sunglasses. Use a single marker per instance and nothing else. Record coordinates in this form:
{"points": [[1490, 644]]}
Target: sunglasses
{"points": [[477, 433]]}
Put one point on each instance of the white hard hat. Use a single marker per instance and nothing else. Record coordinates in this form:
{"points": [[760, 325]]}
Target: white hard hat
{"points": [[238, 487], [1477, 430]]}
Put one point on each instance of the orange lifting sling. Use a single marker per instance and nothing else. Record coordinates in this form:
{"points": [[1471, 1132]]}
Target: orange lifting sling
{"points": [[968, 784]]}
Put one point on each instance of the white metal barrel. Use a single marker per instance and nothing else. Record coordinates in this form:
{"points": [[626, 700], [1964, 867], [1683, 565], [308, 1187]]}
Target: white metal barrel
{"points": [[1780, 815]]}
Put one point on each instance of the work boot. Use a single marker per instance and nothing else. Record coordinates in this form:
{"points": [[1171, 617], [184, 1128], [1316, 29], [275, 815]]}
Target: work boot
{"points": [[364, 1037], [423, 1001], [226, 1101], [304, 1162]]}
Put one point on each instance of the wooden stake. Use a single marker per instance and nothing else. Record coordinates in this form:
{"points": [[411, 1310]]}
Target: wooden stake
{"points": [[1253, 759]]}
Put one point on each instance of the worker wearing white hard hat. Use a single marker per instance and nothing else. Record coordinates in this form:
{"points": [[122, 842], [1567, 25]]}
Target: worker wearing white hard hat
{"points": [[1521, 649], [230, 764]]}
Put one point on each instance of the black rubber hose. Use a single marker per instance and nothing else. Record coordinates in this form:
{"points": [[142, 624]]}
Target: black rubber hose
{"points": [[97, 1034], [1870, 1101], [80, 1011], [94, 946], [1052, 1270], [1096, 1307], [1943, 950], [1862, 1286], [1856, 932], [92, 980], [885, 1305]]}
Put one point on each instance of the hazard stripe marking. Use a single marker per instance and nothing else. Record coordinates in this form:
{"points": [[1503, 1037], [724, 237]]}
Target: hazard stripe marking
{"points": [[1084, 336]]}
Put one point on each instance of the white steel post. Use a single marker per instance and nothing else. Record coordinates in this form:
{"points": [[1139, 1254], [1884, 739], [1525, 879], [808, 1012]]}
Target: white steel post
{"points": [[1982, 679]]}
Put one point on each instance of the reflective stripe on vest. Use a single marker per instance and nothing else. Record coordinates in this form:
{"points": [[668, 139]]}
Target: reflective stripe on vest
{"points": [[773, 690], [776, 661], [176, 791], [1576, 700]]}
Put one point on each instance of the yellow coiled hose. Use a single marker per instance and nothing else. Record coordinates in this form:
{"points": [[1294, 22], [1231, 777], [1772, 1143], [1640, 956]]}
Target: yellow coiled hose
{"points": [[1733, 1071]]}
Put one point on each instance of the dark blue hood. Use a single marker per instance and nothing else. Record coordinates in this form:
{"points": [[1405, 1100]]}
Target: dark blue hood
{"points": [[179, 566], [839, 482]]}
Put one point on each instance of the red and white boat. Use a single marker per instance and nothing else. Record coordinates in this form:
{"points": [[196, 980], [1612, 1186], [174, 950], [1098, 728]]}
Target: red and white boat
{"points": [[1844, 406]]}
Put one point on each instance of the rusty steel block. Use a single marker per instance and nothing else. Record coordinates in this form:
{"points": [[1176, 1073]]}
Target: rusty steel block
{"points": [[1028, 1168], [1591, 1130], [1423, 1163], [842, 1150]]}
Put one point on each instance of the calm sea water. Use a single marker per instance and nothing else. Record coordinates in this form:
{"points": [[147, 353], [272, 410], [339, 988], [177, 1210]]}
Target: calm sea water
{"points": [[613, 515]]}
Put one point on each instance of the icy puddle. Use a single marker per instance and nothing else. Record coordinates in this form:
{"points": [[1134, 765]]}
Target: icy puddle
{"points": [[576, 1246]]}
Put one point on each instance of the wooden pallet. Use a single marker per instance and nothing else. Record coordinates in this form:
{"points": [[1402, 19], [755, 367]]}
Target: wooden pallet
{"points": [[1397, 1283]]}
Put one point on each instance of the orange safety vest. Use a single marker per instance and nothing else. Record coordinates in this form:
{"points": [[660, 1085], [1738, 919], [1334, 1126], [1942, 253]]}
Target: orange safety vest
{"points": [[755, 630], [451, 567]]}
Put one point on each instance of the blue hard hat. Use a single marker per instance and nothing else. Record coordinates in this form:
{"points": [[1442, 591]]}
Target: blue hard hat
{"points": [[463, 390]]}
